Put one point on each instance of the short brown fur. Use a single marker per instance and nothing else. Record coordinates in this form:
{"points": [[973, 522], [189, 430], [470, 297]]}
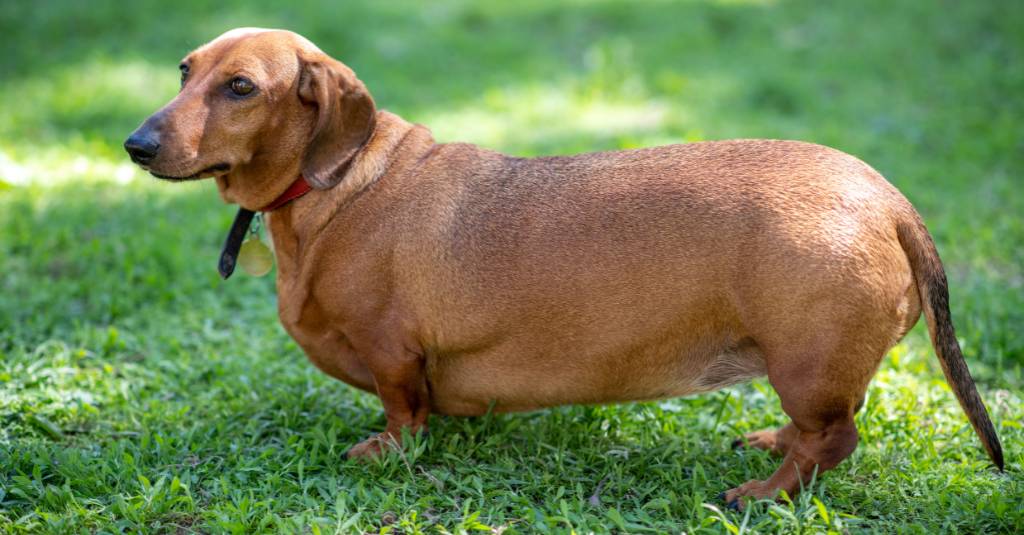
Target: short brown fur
{"points": [[452, 279]]}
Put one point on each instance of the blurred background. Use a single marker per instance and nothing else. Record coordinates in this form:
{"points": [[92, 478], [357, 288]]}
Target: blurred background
{"points": [[109, 273]]}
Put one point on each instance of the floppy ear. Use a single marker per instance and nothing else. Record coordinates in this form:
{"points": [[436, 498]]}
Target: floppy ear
{"points": [[345, 119]]}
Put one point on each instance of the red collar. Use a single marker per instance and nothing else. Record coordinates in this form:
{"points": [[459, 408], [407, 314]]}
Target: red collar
{"points": [[298, 188]]}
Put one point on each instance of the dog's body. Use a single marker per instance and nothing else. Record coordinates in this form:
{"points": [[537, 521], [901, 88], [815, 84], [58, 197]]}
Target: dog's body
{"points": [[452, 279], [528, 283]]}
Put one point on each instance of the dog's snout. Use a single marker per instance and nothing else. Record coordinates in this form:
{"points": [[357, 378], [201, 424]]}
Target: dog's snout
{"points": [[142, 147]]}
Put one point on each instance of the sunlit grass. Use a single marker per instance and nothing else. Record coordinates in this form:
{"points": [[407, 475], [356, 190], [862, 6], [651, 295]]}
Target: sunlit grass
{"points": [[80, 103], [61, 125], [521, 119], [58, 165]]}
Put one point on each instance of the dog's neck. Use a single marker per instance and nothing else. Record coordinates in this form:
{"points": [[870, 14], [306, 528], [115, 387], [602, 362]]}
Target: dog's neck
{"points": [[305, 216], [368, 165], [259, 182]]}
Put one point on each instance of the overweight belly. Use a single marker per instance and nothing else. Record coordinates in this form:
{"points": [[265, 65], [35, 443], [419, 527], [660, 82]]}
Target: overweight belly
{"points": [[510, 379]]}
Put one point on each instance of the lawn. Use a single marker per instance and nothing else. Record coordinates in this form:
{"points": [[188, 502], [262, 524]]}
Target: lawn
{"points": [[140, 393]]}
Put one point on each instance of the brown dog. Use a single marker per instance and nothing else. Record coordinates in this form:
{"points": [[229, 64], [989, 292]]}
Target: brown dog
{"points": [[449, 278]]}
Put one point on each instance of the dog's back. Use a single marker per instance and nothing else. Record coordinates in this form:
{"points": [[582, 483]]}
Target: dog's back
{"points": [[645, 273]]}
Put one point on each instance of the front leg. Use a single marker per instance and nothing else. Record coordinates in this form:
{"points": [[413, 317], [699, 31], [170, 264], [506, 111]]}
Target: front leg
{"points": [[401, 384]]}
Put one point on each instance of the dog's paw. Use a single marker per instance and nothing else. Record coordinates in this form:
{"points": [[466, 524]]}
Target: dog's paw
{"points": [[734, 504], [762, 440], [371, 448], [755, 489]]}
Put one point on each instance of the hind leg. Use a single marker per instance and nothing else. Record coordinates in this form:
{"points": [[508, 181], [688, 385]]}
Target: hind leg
{"points": [[820, 391], [814, 449], [777, 441]]}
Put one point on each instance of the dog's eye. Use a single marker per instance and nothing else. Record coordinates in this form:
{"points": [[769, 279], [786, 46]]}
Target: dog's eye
{"points": [[184, 73], [241, 86]]}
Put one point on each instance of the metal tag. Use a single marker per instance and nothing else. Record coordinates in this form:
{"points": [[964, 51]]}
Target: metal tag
{"points": [[255, 257]]}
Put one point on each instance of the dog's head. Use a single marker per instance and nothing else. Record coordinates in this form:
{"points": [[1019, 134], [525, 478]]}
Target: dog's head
{"points": [[255, 105]]}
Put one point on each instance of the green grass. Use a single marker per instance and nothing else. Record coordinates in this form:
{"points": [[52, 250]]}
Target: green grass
{"points": [[140, 393]]}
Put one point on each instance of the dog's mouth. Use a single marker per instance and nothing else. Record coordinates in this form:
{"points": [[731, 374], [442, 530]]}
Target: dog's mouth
{"points": [[213, 170]]}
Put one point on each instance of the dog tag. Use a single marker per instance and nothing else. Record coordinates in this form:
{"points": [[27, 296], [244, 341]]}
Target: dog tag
{"points": [[255, 257]]}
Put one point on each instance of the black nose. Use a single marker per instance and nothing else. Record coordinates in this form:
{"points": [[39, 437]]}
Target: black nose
{"points": [[141, 148]]}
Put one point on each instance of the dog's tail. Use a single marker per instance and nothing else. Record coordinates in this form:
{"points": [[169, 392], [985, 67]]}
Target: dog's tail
{"points": [[934, 292]]}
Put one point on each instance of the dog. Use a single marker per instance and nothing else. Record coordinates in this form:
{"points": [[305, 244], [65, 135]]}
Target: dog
{"points": [[451, 279]]}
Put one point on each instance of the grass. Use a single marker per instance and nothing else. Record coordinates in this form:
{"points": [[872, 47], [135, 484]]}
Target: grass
{"points": [[138, 393]]}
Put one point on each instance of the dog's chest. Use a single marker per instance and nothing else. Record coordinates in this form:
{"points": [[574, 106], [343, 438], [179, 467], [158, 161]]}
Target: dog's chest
{"points": [[308, 324]]}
